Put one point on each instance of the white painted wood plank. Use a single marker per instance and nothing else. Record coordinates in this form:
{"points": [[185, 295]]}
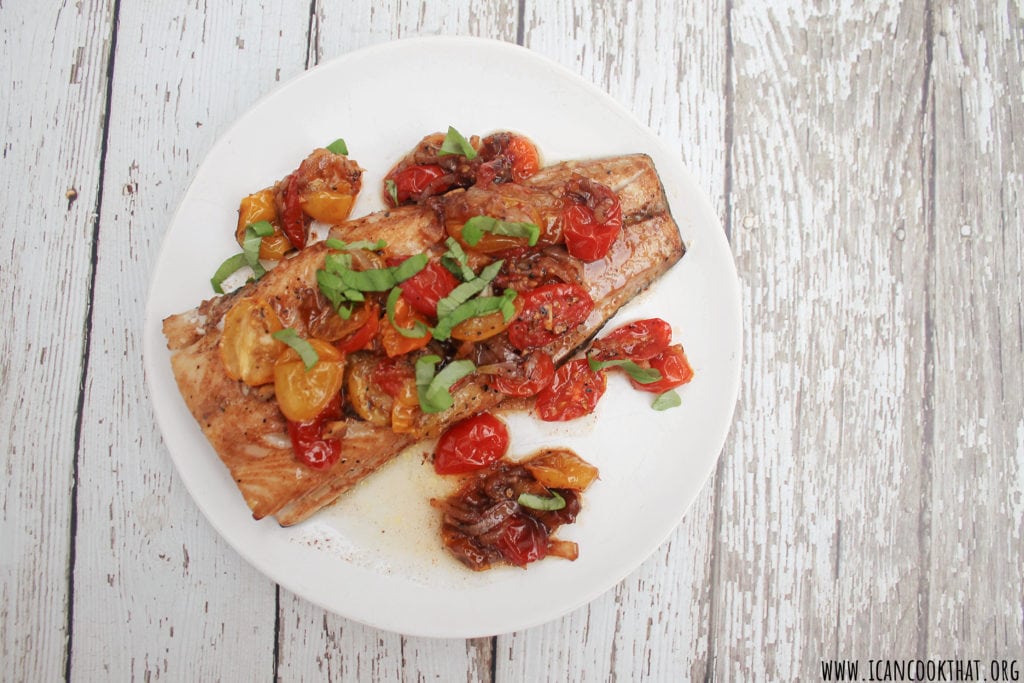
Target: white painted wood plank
{"points": [[976, 577], [315, 645], [819, 549], [53, 79], [665, 61], [157, 592]]}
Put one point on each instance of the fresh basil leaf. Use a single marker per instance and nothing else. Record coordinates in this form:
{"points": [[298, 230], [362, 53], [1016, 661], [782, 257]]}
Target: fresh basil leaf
{"points": [[392, 190], [339, 245], [251, 250], [464, 292], [434, 389], [636, 372], [454, 143], [670, 399], [535, 502], [417, 331], [456, 262], [475, 227], [305, 350], [338, 147], [226, 270], [472, 309]]}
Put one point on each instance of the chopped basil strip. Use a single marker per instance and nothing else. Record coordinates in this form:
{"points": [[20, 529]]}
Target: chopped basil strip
{"points": [[416, 331], [475, 308], [341, 285], [305, 350], [262, 228], [254, 235], [338, 147], [455, 261], [532, 500], [670, 399], [467, 290], [454, 143], [339, 245], [226, 270], [434, 389], [392, 190], [476, 226], [640, 374]]}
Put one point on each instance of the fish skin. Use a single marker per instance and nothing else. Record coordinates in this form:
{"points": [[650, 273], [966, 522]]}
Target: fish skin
{"points": [[244, 425]]}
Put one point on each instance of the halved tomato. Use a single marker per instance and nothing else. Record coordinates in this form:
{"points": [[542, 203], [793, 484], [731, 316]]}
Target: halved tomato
{"points": [[258, 207], [674, 368], [574, 392], [393, 341], [327, 206], [303, 394], [247, 347]]}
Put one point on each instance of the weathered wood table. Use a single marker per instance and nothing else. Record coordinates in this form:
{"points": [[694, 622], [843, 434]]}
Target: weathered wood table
{"points": [[867, 163]]}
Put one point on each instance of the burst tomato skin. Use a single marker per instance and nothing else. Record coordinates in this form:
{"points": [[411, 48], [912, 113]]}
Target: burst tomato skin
{"points": [[308, 444], [548, 312], [392, 341], [591, 219], [424, 289], [393, 374], [674, 368], [574, 392], [470, 444], [522, 540], [537, 372], [638, 340], [362, 337], [411, 181], [293, 221]]}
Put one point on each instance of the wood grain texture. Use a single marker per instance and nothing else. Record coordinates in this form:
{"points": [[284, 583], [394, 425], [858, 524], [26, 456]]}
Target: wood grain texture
{"points": [[655, 623], [53, 79], [157, 592], [820, 544], [976, 574], [313, 644]]}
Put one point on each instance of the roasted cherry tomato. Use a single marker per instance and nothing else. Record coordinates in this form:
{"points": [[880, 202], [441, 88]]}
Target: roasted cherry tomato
{"points": [[393, 374], [574, 392], [303, 394], [367, 317], [560, 468], [485, 326], [507, 157], [261, 207], [393, 341], [674, 368], [548, 312], [591, 219], [522, 540], [412, 181], [327, 206], [524, 157], [246, 346], [293, 221], [424, 289], [638, 340], [308, 442], [530, 377], [470, 444]]}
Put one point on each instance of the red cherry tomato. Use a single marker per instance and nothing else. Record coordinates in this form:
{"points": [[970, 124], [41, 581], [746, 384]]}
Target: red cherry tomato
{"points": [[525, 160], [310, 448], [522, 540], [362, 337], [639, 340], [574, 392], [470, 444], [424, 289], [392, 374], [293, 221], [674, 368], [591, 219], [530, 377], [549, 311], [411, 181]]}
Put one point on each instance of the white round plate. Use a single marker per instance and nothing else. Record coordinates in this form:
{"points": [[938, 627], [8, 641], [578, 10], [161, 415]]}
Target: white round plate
{"points": [[375, 556]]}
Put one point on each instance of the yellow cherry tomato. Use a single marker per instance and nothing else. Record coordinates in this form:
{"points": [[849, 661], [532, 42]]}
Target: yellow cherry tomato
{"points": [[561, 469], [405, 409], [393, 341], [246, 346], [327, 206], [484, 326], [257, 207], [303, 394]]}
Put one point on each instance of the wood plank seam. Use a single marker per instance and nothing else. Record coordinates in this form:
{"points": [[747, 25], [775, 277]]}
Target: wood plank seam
{"points": [[87, 342]]}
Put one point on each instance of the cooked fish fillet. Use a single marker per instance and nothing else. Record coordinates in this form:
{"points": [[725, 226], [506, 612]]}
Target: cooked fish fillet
{"points": [[245, 426]]}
